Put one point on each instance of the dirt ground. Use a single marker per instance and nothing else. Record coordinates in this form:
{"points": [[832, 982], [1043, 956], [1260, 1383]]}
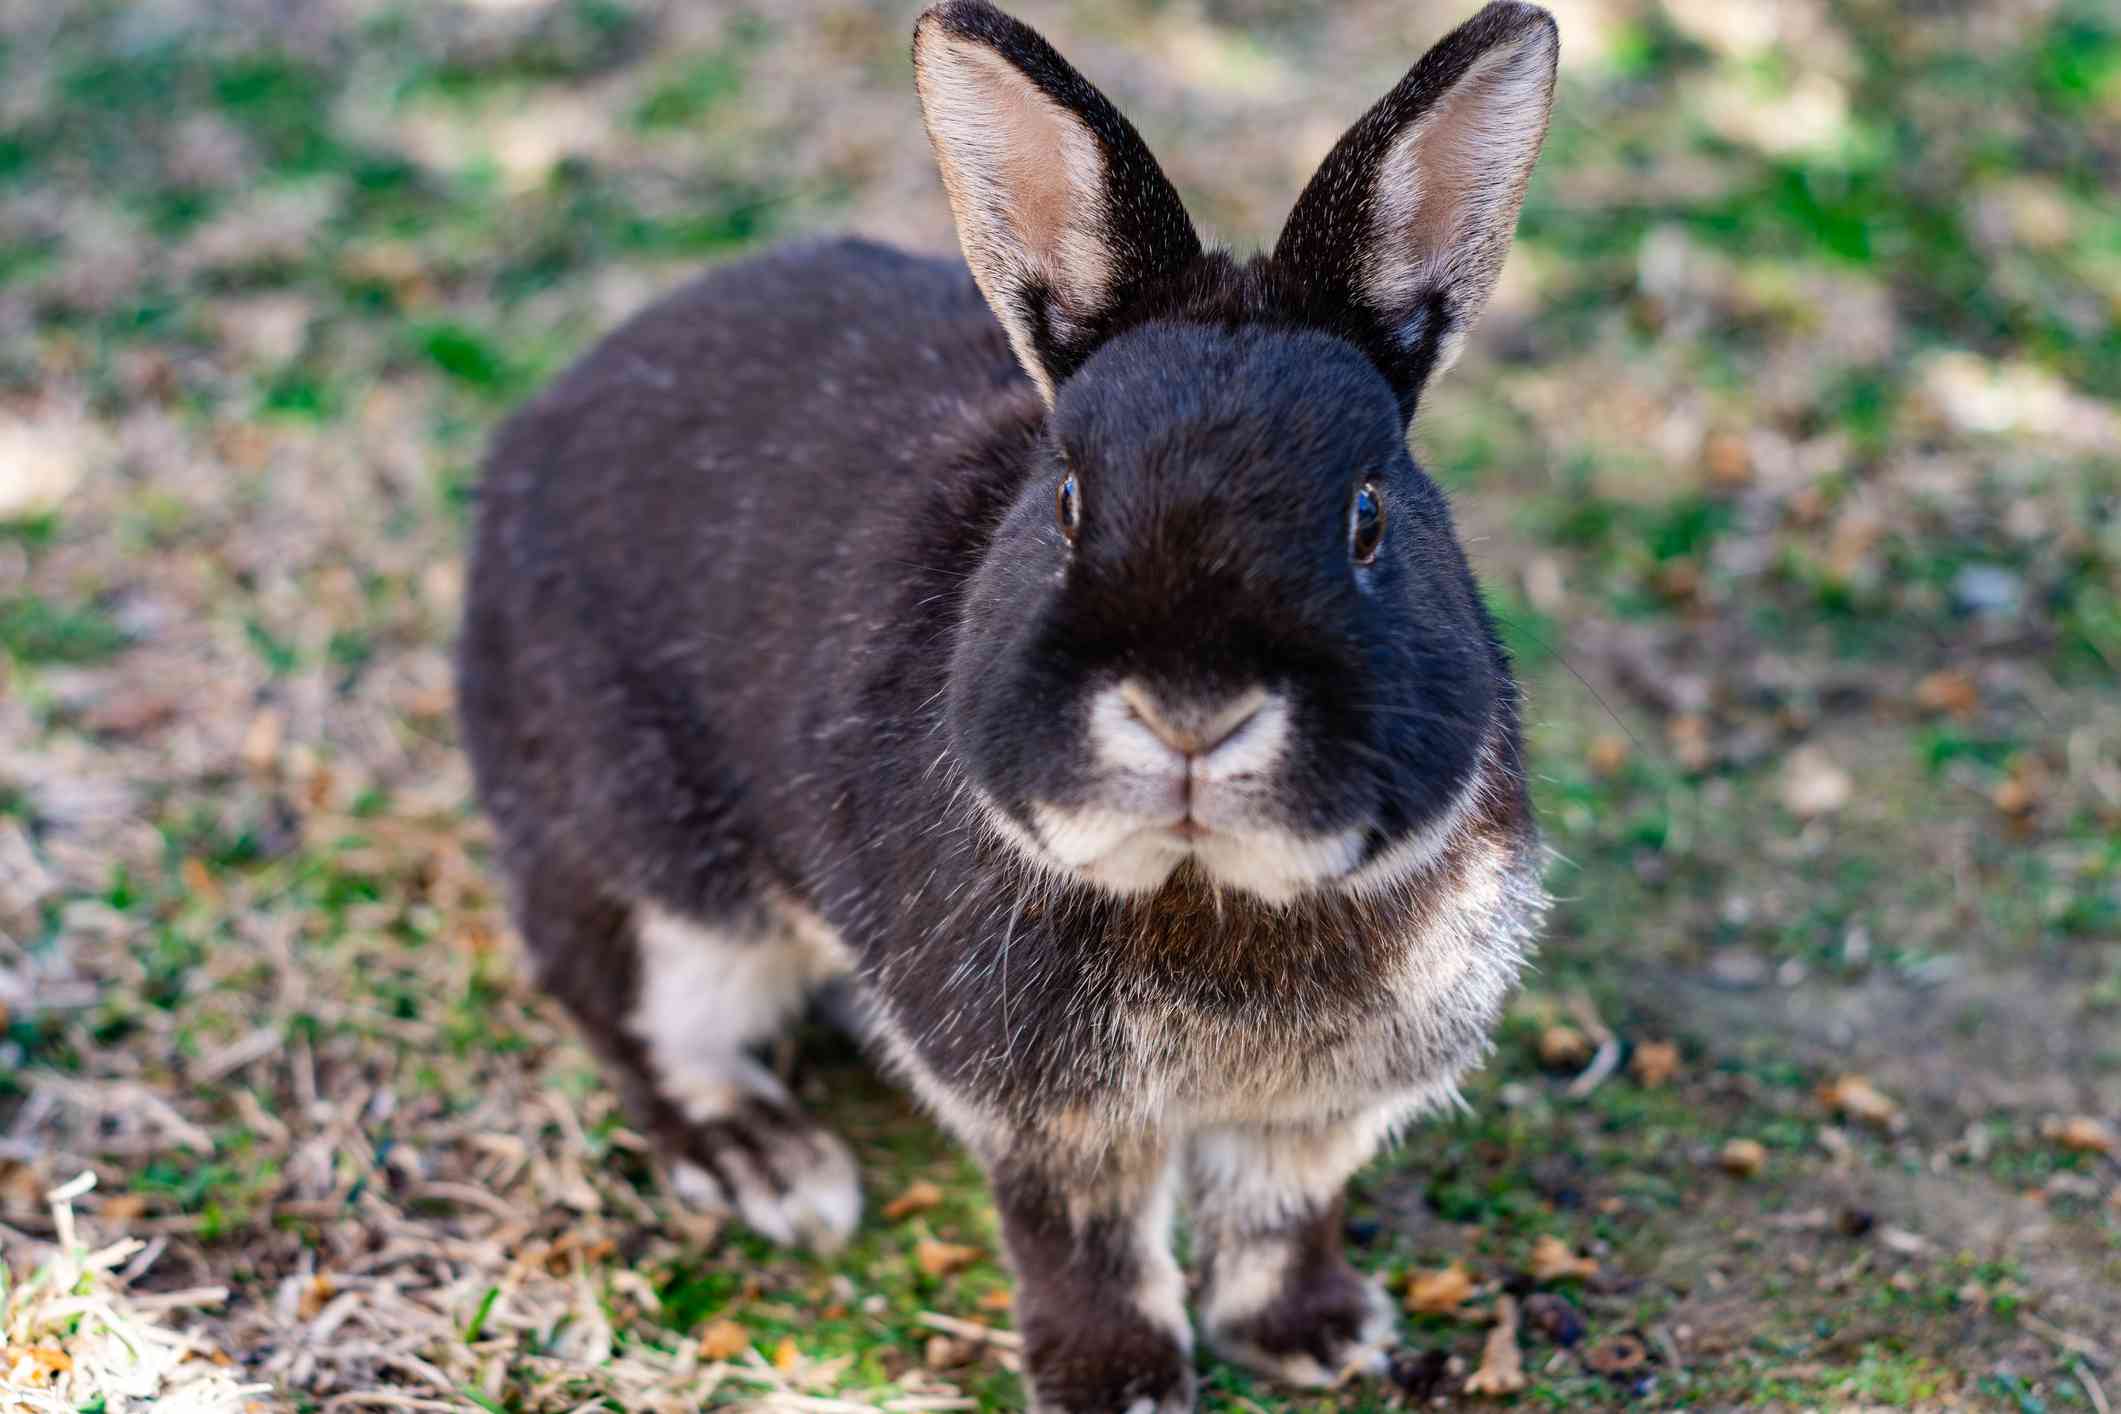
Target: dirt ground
{"points": [[1790, 453]]}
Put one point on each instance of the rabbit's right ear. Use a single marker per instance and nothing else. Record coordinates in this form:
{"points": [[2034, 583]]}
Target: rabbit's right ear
{"points": [[1062, 212]]}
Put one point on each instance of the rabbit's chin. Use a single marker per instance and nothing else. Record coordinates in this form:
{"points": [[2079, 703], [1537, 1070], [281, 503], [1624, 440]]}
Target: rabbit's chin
{"points": [[1122, 852]]}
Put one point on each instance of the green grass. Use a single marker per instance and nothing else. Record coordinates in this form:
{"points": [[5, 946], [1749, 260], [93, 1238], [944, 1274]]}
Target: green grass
{"points": [[1722, 499]]}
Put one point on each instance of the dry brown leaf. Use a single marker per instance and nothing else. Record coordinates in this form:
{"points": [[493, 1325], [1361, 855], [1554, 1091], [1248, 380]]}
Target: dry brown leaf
{"points": [[1563, 1048], [1947, 691], [1608, 755], [919, 1197], [1688, 736], [1728, 460], [1617, 1354], [1742, 1158], [1555, 1260], [1654, 1063], [947, 1353], [317, 1295], [724, 1340], [197, 880], [999, 1299], [940, 1259], [2015, 795], [38, 1363], [1501, 1367], [123, 1207], [261, 741], [1856, 1097], [1441, 1292], [2082, 1134], [787, 1355]]}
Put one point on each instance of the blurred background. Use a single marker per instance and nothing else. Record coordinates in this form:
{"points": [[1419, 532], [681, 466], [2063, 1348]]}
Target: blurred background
{"points": [[1790, 452]]}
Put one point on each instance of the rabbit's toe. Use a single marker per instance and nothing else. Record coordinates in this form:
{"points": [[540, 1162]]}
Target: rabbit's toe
{"points": [[1318, 1329], [787, 1178]]}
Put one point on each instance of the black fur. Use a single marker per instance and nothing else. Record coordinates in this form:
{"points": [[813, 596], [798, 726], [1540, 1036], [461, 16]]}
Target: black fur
{"points": [[767, 593]]}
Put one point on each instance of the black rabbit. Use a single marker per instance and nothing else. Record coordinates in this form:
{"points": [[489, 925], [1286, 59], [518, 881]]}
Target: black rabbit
{"points": [[1068, 655]]}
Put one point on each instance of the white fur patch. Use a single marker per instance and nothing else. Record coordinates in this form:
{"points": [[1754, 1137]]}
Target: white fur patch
{"points": [[705, 995], [1149, 781], [818, 1207], [1248, 1278], [1160, 1291], [1421, 849]]}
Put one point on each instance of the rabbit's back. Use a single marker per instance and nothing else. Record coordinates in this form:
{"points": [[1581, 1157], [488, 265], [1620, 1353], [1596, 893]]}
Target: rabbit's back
{"points": [[667, 538]]}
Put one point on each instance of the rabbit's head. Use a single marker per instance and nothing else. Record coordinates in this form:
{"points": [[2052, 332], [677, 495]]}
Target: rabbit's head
{"points": [[1227, 620]]}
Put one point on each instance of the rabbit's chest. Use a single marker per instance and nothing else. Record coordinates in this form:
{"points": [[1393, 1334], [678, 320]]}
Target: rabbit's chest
{"points": [[1412, 1017]]}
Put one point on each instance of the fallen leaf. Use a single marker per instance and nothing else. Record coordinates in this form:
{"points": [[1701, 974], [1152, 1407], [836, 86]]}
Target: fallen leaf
{"points": [[38, 1363], [1688, 736], [1742, 1158], [1441, 1292], [999, 1299], [261, 740], [1856, 1097], [2015, 795], [1728, 460], [940, 1259], [1608, 755], [724, 1340], [1617, 1354], [919, 1197], [1947, 691], [122, 1207], [1654, 1063], [1563, 1048], [946, 1353], [316, 1295], [1812, 785], [787, 1356], [1555, 1260], [2083, 1135], [1501, 1367]]}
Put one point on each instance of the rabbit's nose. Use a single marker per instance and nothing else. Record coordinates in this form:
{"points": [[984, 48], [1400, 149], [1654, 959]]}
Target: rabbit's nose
{"points": [[1191, 729]]}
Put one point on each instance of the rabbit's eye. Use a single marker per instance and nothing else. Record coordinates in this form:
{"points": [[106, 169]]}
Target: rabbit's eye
{"points": [[1068, 507], [1366, 523]]}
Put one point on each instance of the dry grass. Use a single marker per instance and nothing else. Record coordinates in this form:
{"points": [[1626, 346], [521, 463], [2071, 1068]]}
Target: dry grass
{"points": [[1795, 429]]}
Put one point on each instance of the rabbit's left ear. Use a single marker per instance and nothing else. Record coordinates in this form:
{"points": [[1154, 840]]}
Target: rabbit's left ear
{"points": [[1406, 224], [1062, 212]]}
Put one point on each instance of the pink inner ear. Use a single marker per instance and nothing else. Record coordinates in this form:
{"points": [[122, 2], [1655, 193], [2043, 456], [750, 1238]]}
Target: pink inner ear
{"points": [[1025, 180], [1450, 187]]}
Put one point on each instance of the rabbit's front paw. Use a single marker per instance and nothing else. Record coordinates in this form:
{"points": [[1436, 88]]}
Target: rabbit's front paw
{"points": [[1308, 1323], [788, 1178], [1111, 1384]]}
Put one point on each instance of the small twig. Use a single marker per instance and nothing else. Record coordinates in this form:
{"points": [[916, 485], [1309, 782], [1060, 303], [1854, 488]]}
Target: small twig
{"points": [[970, 1330], [2067, 1340], [1594, 1075], [190, 1299], [1607, 1060]]}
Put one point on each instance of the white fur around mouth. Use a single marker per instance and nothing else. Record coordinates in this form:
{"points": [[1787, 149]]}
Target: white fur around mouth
{"points": [[1127, 854]]}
